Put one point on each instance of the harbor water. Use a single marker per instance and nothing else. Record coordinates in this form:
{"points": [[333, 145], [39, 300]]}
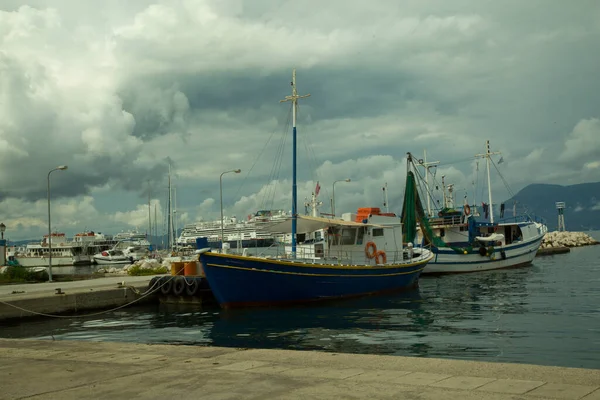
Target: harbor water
{"points": [[547, 314]]}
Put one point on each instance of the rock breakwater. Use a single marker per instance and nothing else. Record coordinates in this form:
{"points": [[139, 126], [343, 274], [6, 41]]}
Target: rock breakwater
{"points": [[567, 239]]}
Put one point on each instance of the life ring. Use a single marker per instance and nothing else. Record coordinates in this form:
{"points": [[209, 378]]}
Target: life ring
{"points": [[368, 247], [467, 209], [380, 254]]}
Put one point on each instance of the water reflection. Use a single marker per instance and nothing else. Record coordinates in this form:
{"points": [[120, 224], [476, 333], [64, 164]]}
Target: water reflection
{"points": [[518, 315]]}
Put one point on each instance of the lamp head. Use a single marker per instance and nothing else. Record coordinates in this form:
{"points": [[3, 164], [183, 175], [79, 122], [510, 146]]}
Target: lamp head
{"points": [[62, 167], [237, 171], [348, 180], [2, 227]]}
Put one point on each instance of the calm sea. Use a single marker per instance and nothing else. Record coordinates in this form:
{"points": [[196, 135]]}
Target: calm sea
{"points": [[547, 314]]}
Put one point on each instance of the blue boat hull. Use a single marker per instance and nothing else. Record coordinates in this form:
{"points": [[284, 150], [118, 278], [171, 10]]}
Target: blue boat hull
{"points": [[238, 281]]}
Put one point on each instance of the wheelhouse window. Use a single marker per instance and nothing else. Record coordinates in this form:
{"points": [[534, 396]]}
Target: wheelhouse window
{"points": [[348, 236], [377, 232]]}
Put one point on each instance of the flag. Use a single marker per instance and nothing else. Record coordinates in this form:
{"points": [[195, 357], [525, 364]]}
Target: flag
{"points": [[317, 189], [501, 160], [502, 210]]}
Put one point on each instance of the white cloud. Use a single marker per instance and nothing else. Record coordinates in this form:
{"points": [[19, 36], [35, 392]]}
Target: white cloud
{"points": [[113, 94], [583, 143], [139, 217]]}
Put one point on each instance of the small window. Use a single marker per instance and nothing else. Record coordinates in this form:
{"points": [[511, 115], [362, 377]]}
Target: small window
{"points": [[377, 232], [442, 232], [348, 236]]}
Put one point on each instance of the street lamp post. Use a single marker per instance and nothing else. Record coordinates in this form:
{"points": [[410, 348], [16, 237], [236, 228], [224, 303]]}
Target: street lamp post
{"points": [[237, 171], [59, 168], [2, 229], [333, 194]]}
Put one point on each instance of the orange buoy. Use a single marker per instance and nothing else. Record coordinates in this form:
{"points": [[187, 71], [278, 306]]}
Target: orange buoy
{"points": [[380, 255], [368, 247]]}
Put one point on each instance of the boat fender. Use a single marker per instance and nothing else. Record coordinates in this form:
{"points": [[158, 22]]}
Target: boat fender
{"points": [[380, 255], [178, 286], [166, 287], [191, 288], [482, 251], [368, 247], [153, 284], [503, 254]]}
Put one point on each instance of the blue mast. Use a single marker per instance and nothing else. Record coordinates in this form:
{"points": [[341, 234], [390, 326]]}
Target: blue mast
{"points": [[294, 99]]}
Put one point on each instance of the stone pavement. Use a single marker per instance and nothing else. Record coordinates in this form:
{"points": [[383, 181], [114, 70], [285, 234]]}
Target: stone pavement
{"points": [[65, 370]]}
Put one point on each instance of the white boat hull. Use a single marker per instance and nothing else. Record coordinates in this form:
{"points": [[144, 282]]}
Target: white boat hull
{"points": [[518, 254], [103, 261], [43, 261]]}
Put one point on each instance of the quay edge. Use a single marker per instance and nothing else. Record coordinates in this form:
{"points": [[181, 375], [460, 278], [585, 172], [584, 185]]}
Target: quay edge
{"points": [[75, 297], [83, 369]]}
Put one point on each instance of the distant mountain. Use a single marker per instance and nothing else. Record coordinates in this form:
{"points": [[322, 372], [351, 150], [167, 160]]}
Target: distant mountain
{"points": [[582, 210]]}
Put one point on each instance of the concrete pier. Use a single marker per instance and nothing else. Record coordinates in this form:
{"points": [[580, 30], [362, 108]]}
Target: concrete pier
{"points": [[548, 251], [75, 296], [100, 370]]}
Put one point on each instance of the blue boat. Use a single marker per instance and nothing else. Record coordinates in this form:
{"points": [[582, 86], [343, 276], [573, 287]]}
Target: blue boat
{"points": [[335, 258]]}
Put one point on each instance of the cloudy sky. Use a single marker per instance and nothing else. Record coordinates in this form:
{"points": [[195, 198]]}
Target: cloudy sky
{"points": [[118, 90]]}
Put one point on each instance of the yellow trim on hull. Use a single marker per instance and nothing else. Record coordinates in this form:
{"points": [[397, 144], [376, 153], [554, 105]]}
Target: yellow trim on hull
{"points": [[309, 265], [307, 274]]}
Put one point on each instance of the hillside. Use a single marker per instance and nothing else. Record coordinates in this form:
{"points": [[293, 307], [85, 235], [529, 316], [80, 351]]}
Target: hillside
{"points": [[582, 210]]}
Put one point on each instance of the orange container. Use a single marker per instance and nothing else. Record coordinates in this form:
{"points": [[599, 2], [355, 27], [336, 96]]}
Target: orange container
{"points": [[190, 268], [177, 268]]}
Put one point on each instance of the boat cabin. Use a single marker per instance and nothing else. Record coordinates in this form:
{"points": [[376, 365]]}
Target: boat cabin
{"points": [[376, 239]]}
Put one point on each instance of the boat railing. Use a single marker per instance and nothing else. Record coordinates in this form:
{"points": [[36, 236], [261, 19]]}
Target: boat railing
{"points": [[447, 221], [522, 218]]}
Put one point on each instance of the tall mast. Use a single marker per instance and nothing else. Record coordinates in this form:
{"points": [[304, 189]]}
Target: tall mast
{"points": [[487, 155], [175, 216], [169, 216], [427, 165], [294, 99], [149, 214], [155, 226], [385, 198]]}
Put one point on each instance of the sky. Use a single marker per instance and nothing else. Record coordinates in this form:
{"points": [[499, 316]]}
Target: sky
{"points": [[118, 91]]}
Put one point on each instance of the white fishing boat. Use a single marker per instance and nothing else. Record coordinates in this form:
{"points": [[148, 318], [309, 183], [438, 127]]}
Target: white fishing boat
{"points": [[462, 243]]}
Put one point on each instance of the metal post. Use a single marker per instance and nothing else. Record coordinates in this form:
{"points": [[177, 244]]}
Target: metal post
{"points": [[237, 171], [333, 194], [61, 168]]}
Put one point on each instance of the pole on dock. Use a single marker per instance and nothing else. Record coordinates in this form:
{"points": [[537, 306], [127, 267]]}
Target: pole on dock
{"points": [[560, 206]]}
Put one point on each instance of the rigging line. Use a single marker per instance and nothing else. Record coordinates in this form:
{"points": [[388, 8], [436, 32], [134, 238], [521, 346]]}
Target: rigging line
{"points": [[460, 160], [256, 160], [274, 166], [421, 182], [277, 167], [509, 190], [311, 155]]}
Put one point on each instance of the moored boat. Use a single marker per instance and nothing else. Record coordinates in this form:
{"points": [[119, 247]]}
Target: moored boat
{"points": [[461, 243], [112, 256], [336, 258]]}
